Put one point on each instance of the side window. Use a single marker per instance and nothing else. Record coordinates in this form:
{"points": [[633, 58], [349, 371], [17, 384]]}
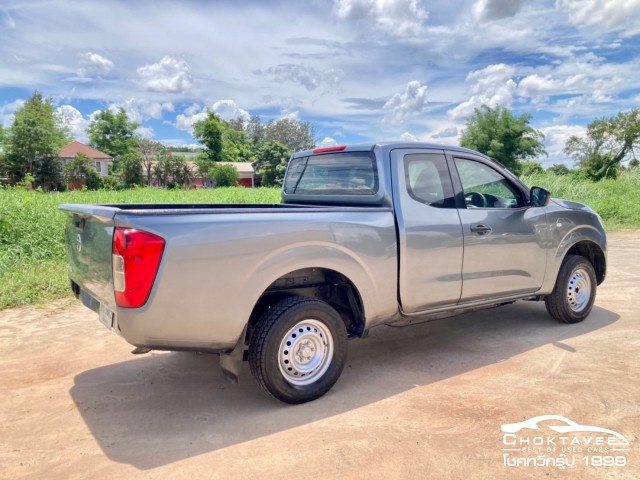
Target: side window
{"points": [[428, 180], [485, 187]]}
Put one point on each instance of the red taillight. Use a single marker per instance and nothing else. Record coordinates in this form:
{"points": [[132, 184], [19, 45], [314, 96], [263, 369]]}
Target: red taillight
{"points": [[330, 149], [136, 258]]}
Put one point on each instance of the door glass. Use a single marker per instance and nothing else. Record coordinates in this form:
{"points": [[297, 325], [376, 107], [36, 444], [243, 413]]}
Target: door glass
{"points": [[484, 187], [428, 179]]}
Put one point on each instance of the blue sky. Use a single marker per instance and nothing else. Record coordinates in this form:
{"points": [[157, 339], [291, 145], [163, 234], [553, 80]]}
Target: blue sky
{"points": [[359, 70]]}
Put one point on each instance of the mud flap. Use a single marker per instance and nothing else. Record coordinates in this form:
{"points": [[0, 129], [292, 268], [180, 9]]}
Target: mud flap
{"points": [[231, 362]]}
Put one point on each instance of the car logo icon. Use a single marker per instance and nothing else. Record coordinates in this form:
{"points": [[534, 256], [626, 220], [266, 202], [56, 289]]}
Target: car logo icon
{"points": [[568, 427]]}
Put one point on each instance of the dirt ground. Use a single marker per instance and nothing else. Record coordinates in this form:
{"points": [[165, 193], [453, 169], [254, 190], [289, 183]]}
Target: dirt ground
{"points": [[426, 401]]}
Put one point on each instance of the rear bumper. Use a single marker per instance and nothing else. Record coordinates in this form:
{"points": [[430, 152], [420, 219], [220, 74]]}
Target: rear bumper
{"points": [[137, 331]]}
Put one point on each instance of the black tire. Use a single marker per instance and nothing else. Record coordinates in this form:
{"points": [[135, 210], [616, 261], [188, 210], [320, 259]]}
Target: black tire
{"points": [[575, 291], [297, 365]]}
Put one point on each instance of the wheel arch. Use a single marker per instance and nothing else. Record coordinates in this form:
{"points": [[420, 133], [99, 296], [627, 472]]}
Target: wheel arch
{"points": [[592, 252], [585, 241], [320, 283]]}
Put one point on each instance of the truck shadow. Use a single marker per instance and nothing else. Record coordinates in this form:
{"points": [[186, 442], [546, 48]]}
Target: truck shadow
{"points": [[162, 408]]}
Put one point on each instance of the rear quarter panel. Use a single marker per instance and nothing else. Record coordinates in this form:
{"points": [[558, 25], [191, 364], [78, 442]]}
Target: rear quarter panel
{"points": [[216, 267]]}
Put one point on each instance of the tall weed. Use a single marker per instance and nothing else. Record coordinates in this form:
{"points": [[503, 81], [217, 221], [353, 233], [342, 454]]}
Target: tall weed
{"points": [[617, 201]]}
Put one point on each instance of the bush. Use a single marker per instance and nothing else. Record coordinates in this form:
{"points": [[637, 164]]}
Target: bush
{"points": [[559, 169], [224, 175], [530, 168]]}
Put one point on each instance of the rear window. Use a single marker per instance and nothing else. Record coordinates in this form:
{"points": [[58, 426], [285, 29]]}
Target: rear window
{"points": [[346, 173]]}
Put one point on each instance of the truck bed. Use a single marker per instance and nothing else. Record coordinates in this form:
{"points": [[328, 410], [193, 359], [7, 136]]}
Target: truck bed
{"points": [[235, 250]]}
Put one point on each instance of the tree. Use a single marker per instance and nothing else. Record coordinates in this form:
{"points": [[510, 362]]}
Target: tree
{"points": [[3, 161], [48, 173], [255, 131], [171, 171], [271, 163], [235, 146], [498, 134], [180, 171], [208, 132], [203, 167], [608, 142], [81, 169], [130, 168], [224, 175], [161, 171], [34, 140], [150, 153], [113, 133], [293, 134]]}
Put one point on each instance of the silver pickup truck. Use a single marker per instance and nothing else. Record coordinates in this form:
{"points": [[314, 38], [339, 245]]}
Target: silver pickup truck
{"points": [[391, 233]]}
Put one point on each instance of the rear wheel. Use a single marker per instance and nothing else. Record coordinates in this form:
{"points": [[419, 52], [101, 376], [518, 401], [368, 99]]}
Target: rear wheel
{"points": [[575, 291], [298, 349]]}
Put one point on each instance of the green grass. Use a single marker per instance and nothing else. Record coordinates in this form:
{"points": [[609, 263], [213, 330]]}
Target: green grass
{"points": [[32, 266], [617, 201]]}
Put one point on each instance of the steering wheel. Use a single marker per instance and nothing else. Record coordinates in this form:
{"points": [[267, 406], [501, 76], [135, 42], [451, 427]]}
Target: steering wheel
{"points": [[476, 199]]}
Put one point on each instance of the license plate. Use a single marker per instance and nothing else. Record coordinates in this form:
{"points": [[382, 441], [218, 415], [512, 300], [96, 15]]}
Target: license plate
{"points": [[106, 317]]}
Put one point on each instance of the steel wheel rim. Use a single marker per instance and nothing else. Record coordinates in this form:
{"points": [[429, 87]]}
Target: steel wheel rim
{"points": [[305, 352], [579, 290]]}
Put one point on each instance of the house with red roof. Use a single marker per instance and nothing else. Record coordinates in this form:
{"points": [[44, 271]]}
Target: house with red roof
{"points": [[100, 160]]}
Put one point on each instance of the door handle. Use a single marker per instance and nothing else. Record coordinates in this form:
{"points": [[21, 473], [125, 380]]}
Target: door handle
{"points": [[481, 229]]}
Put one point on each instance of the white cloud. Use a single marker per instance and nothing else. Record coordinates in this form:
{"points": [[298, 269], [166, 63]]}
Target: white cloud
{"points": [[443, 132], [192, 109], [349, 57], [536, 85], [145, 132], [403, 105], [309, 77], [609, 15], [493, 86], [7, 110], [228, 110], [588, 78], [179, 142], [170, 75], [556, 137], [327, 142], [74, 121], [407, 137], [185, 121], [497, 9], [395, 17], [289, 115], [140, 109], [94, 65]]}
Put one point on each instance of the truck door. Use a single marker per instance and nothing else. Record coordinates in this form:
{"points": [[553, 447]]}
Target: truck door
{"points": [[430, 235], [504, 250]]}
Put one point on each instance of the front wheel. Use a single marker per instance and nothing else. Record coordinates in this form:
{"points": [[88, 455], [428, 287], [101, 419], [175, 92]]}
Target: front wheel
{"points": [[298, 349], [575, 291]]}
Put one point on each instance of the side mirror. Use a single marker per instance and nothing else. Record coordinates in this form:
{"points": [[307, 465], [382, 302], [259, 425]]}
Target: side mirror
{"points": [[539, 197]]}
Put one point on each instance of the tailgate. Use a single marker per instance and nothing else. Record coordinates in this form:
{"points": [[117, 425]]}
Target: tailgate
{"points": [[88, 239]]}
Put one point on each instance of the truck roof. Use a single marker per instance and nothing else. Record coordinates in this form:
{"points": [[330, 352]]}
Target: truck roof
{"points": [[389, 145]]}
